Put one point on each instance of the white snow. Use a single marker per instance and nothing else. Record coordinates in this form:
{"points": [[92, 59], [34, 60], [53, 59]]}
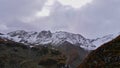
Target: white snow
{"points": [[105, 39], [57, 38]]}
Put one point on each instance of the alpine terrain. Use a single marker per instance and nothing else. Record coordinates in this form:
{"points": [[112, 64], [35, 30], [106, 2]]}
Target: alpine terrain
{"points": [[74, 47]]}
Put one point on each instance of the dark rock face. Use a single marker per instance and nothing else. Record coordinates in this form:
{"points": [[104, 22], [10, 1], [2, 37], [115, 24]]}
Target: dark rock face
{"points": [[20, 33], [46, 34], [75, 54], [106, 56], [17, 55], [1, 34]]}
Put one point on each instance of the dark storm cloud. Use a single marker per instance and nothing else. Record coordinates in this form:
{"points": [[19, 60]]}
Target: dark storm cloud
{"points": [[98, 18]]}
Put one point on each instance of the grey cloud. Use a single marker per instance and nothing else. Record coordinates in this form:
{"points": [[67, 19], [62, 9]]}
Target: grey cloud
{"points": [[100, 18], [13, 10], [96, 19]]}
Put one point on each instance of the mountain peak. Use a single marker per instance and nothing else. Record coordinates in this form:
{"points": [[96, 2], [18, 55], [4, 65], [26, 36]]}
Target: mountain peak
{"points": [[57, 38], [46, 34], [17, 32], [46, 37]]}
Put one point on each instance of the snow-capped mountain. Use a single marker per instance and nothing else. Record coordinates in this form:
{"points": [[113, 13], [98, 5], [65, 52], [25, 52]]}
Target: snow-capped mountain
{"points": [[100, 41], [46, 37], [56, 39]]}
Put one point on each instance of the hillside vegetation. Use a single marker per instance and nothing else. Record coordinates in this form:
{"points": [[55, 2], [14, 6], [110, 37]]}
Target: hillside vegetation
{"points": [[17, 55]]}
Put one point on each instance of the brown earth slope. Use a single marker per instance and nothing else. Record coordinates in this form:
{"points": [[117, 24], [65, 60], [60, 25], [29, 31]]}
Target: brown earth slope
{"points": [[106, 56]]}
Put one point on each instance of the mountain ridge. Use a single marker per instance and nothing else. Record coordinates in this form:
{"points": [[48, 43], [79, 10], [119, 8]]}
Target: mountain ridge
{"points": [[74, 46], [57, 38], [46, 37]]}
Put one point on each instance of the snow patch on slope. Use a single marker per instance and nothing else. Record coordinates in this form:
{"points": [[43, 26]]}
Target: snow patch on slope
{"points": [[100, 41], [57, 38], [46, 37]]}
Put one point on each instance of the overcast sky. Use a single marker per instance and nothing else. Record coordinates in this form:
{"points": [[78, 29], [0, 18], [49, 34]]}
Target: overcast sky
{"points": [[91, 18]]}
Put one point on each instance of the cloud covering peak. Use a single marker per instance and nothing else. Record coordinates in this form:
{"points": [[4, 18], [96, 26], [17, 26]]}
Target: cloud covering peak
{"points": [[90, 18]]}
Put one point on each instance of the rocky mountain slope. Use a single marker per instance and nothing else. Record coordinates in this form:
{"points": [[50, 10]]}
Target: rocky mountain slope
{"points": [[106, 56], [17, 55], [46, 37], [66, 43], [65, 55], [74, 46], [74, 54], [100, 41], [56, 39]]}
